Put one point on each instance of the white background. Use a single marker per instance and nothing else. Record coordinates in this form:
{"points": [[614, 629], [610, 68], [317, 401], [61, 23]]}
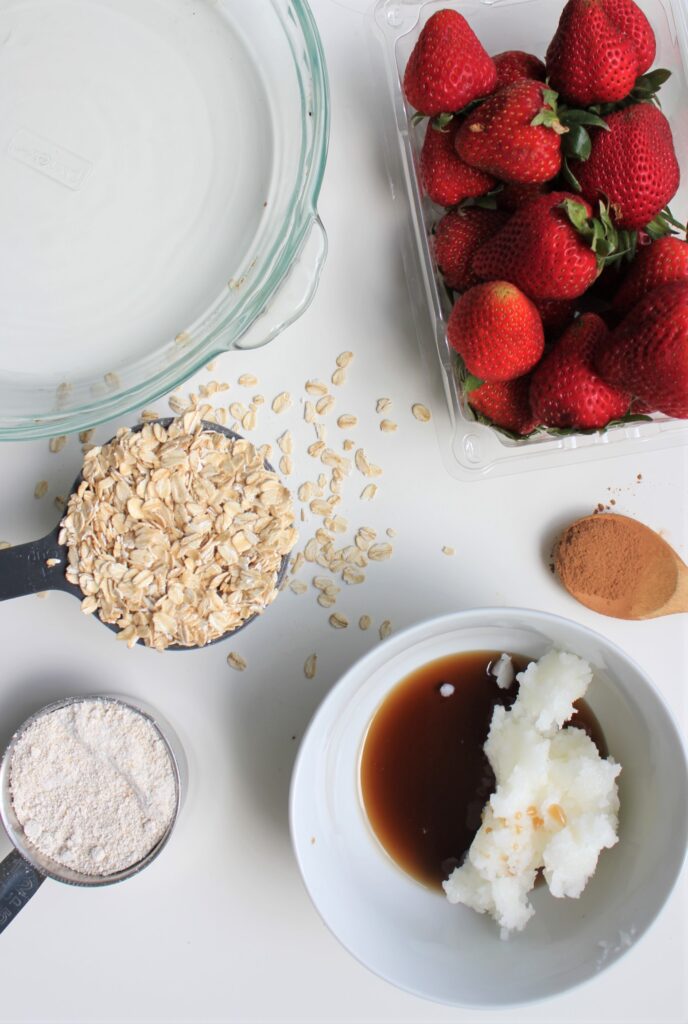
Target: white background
{"points": [[220, 927]]}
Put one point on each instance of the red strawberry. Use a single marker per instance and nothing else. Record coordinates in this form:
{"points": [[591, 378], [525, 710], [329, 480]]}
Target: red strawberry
{"points": [[539, 250], [565, 391], [514, 64], [496, 330], [554, 313], [599, 49], [448, 67], [499, 136], [664, 261], [633, 165], [647, 354], [455, 240], [513, 197], [444, 176], [506, 404]]}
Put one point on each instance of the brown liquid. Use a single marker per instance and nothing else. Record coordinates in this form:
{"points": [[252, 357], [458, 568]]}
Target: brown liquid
{"points": [[424, 776]]}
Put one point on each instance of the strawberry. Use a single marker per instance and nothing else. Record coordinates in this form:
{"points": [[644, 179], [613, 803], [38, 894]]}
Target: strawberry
{"points": [[565, 391], [496, 330], [514, 134], [506, 404], [514, 64], [539, 250], [647, 354], [633, 165], [554, 313], [444, 176], [448, 67], [664, 261], [599, 49], [456, 237], [513, 197]]}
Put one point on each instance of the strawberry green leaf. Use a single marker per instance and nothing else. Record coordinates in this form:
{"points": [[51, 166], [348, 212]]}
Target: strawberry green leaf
{"points": [[585, 117], [442, 122], [417, 119], [471, 383], [577, 143], [570, 177], [550, 97], [578, 216]]}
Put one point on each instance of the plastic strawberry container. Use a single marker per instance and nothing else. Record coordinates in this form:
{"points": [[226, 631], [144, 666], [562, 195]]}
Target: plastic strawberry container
{"points": [[471, 449]]}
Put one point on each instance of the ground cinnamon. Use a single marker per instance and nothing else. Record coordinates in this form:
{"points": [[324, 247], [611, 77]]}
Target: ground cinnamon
{"points": [[615, 565]]}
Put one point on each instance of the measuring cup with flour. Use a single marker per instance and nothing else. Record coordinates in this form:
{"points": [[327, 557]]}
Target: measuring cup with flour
{"points": [[90, 789]]}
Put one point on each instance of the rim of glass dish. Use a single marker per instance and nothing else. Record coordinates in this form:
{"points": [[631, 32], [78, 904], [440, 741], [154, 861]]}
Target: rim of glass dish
{"points": [[301, 213]]}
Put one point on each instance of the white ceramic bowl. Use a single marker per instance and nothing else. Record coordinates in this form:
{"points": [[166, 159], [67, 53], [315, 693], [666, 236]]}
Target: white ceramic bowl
{"points": [[412, 936]]}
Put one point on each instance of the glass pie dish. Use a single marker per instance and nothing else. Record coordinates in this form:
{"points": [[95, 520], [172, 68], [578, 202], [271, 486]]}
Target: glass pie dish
{"points": [[160, 165]]}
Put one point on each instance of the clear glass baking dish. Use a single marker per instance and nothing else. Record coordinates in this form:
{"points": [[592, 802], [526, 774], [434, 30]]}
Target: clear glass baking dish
{"points": [[160, 164], [472, 450]]}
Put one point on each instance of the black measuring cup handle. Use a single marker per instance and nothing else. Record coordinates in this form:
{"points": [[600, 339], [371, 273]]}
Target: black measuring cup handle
{"points": [[25, 569], [18, 882]]}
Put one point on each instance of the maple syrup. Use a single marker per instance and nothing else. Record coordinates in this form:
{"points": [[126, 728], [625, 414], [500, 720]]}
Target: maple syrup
{"points": [[424, 775]]}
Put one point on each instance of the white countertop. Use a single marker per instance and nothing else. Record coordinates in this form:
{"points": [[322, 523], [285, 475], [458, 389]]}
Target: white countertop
{"points": [[220, 928]]}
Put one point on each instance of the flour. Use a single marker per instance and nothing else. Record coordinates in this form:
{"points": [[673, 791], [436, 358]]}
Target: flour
{"points": [[93, 786]]}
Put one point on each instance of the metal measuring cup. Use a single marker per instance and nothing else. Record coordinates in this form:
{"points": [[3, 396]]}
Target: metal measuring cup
{"points": [[24, 870], [39, 565]]}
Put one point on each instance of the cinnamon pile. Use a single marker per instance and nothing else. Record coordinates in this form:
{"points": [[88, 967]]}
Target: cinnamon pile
{"points": [[610, 563]]}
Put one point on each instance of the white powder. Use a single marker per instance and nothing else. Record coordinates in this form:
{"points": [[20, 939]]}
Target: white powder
{"points": [[93, 786]]}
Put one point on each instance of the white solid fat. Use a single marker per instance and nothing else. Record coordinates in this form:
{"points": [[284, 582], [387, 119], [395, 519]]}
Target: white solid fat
{"points": [[555, 805], [503, 670]]}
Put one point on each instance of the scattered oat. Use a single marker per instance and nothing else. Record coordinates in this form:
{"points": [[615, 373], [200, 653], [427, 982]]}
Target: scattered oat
{"points": [[111, 379], [319, 507], [235, 661], [86, 436], [286, 465], [56, 444], [248, 380], [249, 420], [286, 442], [385, 629], [344, 358], [326, 600], [316, 449], [60, 502], [365, 622], [42, 593], [310, 551], [316, 387], [148, 415], [338, 621], [446, 550], [369, 492], [311, 666], [309, 412], [380, 552], [383, 405], [361, 460], [52, 562], [281, 402], [348, 444], [41, 489], [388, 426], [298, 587], [338, 377], [324, 404], [391, 532], [176, 404], [346, 420], [238, 411], [4, 545], [258, 399], [421, 412], [352, 576]]}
